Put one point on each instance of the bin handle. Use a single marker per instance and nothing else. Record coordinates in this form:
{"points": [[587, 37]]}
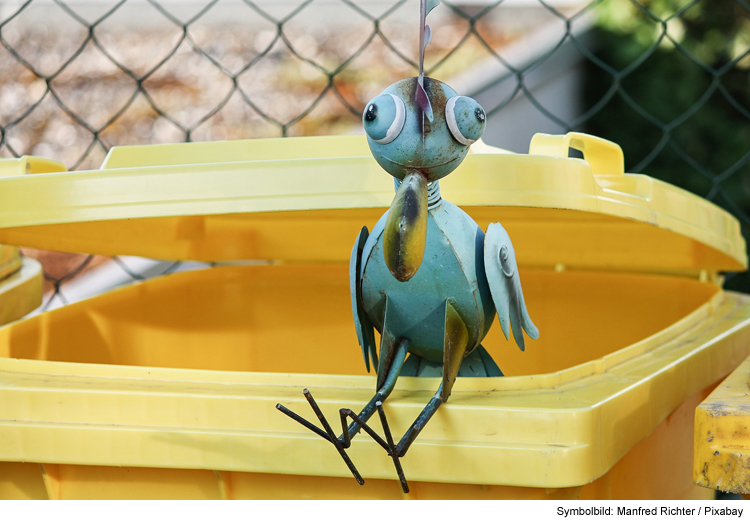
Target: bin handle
{"points": [[29, 165], [37, 165], [604, 157]]}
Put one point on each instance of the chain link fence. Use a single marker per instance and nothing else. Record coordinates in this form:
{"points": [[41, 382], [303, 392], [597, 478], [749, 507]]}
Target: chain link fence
{"points": [[669, 80]]}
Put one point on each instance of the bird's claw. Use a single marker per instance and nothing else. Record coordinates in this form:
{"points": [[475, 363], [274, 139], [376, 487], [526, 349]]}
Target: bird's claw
{"points": [[392, 452], [328, 433], [342, 443], [386, 444]]}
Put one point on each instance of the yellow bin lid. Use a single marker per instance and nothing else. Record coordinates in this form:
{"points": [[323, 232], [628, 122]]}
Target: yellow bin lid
{"points": [[305, 199]]}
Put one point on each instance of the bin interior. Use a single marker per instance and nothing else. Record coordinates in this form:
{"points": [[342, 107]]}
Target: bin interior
{"points": [[297, 318]]}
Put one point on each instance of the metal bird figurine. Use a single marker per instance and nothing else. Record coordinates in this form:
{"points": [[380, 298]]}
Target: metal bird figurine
{"points": [[427, 277]]}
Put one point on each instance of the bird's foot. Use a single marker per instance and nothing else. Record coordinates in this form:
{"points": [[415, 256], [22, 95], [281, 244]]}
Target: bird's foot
{"points": [[343, 442], [326, 432], [392, 451], [386, 443]]}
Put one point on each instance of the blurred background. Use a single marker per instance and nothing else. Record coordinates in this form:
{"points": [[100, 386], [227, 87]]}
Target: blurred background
{"points": [[669, 80]]}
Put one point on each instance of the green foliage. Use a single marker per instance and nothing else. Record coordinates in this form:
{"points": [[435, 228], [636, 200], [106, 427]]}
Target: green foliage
{"points": [[681, 111]]}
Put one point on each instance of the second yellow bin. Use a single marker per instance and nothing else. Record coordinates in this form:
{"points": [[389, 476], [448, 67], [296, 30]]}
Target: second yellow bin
{"points": [[167, 388]]}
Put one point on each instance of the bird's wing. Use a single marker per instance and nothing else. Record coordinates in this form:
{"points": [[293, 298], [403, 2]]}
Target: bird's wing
{"points": [[365, 330], [505, 285]]}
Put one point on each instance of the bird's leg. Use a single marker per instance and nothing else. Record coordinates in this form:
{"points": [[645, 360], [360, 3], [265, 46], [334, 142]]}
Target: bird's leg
{"points": [[416, 428], [393, 362], [376, 403], [393, 352], [386, 444], [491, 370], [395, 452], [454, 350]]}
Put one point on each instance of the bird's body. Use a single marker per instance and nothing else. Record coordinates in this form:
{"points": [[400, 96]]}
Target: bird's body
{"points": [[452, 269], [427, 277]]}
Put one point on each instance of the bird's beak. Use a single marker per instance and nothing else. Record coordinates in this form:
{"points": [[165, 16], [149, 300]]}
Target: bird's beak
{"points": [[406, 228]]}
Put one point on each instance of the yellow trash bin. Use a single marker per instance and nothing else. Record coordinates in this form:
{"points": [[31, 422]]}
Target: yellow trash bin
{"points": [[167, 388]]}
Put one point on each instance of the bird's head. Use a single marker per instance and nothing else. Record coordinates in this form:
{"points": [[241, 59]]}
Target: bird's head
{"points": [[408, 136]]}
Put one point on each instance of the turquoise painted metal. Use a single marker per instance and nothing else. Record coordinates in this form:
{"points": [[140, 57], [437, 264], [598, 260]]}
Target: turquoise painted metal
{"points": [[426, 277]]}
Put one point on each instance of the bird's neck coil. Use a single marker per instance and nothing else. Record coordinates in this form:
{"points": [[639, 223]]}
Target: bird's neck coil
{"points": [[433, 192]]}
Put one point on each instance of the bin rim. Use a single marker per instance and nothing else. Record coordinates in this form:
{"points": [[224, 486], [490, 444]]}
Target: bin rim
{"points": [[579, 441]]}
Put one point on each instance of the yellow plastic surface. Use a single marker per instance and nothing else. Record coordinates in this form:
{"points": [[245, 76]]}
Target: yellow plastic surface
{"points": [[29, 165], [301, 199], [10, 261], [21, 292], [605, 157], [167, 388], [106, 392], [20, 278], [722, 435]]}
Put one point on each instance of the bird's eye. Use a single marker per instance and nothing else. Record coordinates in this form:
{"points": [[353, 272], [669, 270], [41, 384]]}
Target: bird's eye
{"points": [[466, 119], [384, 118]]}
